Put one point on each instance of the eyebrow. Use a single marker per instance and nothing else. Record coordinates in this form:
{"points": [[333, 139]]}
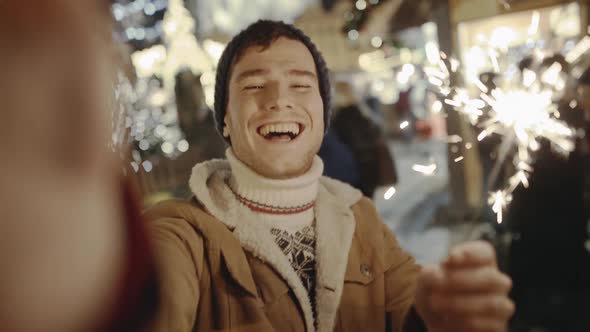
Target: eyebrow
{"points": [[259, 72], [299, 72], [250, 73]]}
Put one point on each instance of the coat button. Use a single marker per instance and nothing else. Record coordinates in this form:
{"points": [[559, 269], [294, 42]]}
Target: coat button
{"points": [[366, 270]]}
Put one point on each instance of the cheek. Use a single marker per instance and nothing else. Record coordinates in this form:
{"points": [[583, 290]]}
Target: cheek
{"points": [[238, 115], [232, 120], [315, 106]]}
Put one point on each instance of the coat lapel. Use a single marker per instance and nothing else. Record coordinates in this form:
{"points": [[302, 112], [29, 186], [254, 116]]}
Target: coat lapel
{"points": [[334, 231], [257, 239]]}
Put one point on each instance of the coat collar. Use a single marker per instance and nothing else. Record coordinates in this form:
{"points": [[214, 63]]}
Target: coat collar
{"points": [[335, 226]]}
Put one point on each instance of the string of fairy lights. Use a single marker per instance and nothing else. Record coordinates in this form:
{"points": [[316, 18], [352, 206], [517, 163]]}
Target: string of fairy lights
{"points": [[162, 36], [357, 17]]}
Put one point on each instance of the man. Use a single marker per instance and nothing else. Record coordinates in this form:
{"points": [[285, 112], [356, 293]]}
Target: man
{"points": [[267, 244]]}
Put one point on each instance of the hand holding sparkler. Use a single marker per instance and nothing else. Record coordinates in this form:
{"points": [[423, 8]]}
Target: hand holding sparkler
{"points": [[465, 293]]}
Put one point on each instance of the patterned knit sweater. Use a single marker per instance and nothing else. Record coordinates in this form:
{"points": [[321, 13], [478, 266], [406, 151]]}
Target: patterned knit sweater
{"points": [[286, 207]]}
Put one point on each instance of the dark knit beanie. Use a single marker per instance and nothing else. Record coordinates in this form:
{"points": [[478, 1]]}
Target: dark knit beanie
{"points": [[263, 33]]}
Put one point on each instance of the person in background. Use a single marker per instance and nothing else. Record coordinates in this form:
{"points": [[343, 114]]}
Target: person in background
{"points": [[339, 160], [364, 139], [268, 244], [196, 118], [73, 249]]}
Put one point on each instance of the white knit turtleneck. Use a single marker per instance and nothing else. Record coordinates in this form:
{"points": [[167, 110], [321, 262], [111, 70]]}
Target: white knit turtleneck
{"points": [[287, 193], [293, 233]]}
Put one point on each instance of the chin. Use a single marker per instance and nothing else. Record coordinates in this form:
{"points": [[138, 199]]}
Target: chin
{"points": [[276, 169]]}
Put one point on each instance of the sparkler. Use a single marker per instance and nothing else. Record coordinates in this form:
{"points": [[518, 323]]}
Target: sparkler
{"points": [[522, 110], [425, 169]]}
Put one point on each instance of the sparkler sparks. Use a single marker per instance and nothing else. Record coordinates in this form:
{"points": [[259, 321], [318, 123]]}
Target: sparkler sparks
{"points": [[424, 169], [528, 115], [499, 200], [454, 139], [389, 193], [581, 48], [522, 110]]}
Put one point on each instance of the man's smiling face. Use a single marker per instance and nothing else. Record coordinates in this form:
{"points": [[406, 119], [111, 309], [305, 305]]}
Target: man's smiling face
{"points": [[275, 113]]}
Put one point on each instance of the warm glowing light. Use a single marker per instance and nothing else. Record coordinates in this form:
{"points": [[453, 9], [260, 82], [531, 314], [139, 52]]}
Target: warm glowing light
{"points": [[502, 37], [167, 148], [182, 146], [147, 166], [424, 169], [481, 86], [376, 41], [353, 34], [213, 48], [454, 139], [499, 200], [437, 106], [580, 49], [149, 61], [409, 69], [432, 53], [534, 27], [528, 77], [389, 193], [361, 5]]}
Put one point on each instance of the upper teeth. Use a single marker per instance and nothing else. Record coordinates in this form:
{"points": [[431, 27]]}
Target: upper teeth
{"points": [[280, 128]]}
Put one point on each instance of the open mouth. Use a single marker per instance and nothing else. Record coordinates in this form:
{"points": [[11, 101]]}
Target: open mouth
{"points": [[280, 132]]}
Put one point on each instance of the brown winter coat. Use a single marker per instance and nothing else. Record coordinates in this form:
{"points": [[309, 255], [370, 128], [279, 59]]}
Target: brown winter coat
{"points": [[220, 270]]}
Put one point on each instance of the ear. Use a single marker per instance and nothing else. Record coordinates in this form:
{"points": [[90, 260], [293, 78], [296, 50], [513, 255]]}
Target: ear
{"points": [[225, 126]]}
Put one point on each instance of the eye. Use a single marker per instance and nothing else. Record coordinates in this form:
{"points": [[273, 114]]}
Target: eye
{"points": [[254, 87], [301, 86]]}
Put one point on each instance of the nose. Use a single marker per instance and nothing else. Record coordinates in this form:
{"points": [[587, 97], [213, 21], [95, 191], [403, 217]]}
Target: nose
{"points": [[277, 98]]}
